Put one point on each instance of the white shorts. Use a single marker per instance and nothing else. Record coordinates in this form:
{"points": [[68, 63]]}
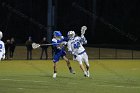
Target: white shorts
{"points": [[82, 58], [0, 57]]}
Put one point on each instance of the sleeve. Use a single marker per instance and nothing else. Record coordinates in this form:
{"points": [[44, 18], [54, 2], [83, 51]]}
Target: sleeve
{"points": [[54, 42]]}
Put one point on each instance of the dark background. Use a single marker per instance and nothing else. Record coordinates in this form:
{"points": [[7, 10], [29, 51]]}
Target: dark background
{"points": [[108, 21]]}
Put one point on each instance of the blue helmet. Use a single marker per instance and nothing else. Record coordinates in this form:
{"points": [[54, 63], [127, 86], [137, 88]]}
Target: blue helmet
{"points": [[57, 33]]}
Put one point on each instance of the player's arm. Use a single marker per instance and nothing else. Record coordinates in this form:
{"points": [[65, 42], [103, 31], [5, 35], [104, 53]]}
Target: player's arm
{"points": [[58, 45], [83, 40], [64, 42], [55, 44]]}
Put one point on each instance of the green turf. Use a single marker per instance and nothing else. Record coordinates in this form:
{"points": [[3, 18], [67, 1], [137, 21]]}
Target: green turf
{"points": [[107, 76]]}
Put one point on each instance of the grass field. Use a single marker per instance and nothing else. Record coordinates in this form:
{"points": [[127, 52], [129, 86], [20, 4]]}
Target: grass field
{"points": [[35, 76]]}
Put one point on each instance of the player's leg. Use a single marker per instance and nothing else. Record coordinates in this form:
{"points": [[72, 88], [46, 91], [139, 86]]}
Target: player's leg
{"points": [[30, 54], [55, 69], [27, 54], [0, 56], [68, 64], [85, 58], [79, 59], [46, 52], [41, 53], [55, 60], [10, 53]]}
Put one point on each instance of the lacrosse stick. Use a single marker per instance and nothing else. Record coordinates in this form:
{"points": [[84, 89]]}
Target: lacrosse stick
{"points": [[83, 29], [35, 45]]}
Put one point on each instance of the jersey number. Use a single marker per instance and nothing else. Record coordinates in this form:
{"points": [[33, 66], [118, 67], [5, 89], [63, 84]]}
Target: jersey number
{"points": [[76, 45]]}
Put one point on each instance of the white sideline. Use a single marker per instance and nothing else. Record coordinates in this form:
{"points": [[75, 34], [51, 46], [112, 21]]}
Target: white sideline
{"points": [[104, 85]]}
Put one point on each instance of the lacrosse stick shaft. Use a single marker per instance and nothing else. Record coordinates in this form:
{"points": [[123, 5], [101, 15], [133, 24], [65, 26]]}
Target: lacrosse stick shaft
{"points": [[49, 44]]}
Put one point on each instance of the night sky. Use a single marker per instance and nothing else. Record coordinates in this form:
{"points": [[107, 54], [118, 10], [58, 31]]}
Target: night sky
{"points": [[108, 21]]}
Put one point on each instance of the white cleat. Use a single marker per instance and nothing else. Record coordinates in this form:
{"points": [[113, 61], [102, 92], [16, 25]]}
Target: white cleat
{"points": [[88, 74], [85, 73], [54, 75]]}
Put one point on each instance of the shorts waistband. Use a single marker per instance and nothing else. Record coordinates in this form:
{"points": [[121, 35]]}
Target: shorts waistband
{"points": [[82, 52]]}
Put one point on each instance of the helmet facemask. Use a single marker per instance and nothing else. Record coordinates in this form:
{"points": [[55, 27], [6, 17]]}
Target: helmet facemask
{"points": [[71, 34]]}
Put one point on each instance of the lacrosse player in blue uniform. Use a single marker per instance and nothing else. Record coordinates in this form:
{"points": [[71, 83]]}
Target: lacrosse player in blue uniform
{"points": [[2, 47], [59, 43], [75, 47]]}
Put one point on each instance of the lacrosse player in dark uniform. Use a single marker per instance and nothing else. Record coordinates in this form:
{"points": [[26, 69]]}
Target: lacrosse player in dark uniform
{"points": [[59, 51]]}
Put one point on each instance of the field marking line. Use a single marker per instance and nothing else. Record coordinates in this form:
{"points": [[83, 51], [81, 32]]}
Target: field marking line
{"points": [[135, 69], [105, 85]]}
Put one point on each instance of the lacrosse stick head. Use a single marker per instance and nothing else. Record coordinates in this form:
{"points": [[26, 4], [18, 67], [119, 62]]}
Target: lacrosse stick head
{"points": [[83, 29], [34, 45], [1, 35]]}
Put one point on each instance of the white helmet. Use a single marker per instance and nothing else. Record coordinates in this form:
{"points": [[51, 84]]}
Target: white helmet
{"points": [[1, 35], [71, 34]]}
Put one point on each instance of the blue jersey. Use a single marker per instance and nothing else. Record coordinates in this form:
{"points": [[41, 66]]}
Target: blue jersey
{"points": [[58, 51]]}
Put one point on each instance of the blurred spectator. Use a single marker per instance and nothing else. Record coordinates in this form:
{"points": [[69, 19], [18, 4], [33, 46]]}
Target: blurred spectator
{"points": [[29, 48], [44, 48], [7, 49], [12, 47]]}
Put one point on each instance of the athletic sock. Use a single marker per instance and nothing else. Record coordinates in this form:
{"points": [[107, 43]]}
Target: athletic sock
{"points": [[88, 74]]}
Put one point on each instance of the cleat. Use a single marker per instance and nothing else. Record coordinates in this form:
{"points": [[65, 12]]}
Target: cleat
{"points": [[85, 75], [88, 74], [72, 71], [54, 75]]}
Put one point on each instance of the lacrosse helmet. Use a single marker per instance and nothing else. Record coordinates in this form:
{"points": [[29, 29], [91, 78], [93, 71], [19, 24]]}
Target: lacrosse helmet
{"points": [[57, 33], [1, 35], [71, 34]]}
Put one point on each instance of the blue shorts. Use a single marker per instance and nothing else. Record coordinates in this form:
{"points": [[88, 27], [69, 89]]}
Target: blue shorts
{"points": [[57, 56]]}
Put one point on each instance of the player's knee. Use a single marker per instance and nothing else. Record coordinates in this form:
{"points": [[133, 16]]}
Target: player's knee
{"points": [[67, 60], [54, 64], [87, 65], [80, 62]]}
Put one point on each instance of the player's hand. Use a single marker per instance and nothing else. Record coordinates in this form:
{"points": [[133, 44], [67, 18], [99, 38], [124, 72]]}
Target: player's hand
{"points": [[64, 43], [59, 47]]}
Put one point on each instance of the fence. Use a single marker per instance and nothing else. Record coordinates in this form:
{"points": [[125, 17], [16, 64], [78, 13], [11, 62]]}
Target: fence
{"points": [[93, 53]]}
